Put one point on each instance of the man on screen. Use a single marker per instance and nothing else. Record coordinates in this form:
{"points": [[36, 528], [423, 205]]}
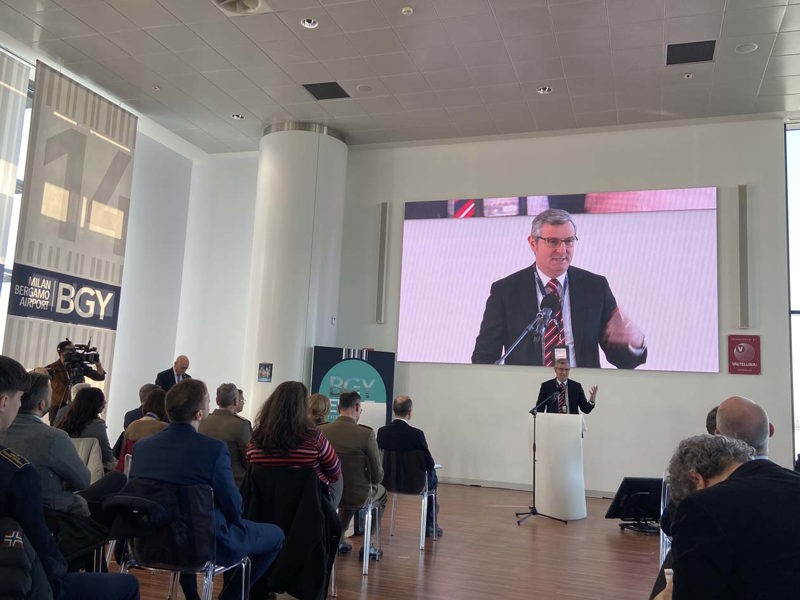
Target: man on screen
{"points": [[585, 313]]}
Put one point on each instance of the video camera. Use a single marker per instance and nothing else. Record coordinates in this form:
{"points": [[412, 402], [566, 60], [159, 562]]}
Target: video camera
{"points": [[77, 356]]}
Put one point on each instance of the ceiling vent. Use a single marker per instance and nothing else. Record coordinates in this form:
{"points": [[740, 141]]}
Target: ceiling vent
{"points": [[329, 90], [240, 8], [690, 52]]}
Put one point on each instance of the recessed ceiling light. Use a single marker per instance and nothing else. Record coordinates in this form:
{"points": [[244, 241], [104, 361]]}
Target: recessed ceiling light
{"points": [[407, 11], [688, 75], [746, 48], [309, 23], [544, 90], [156, 88], [237, 117], [363, 87]]}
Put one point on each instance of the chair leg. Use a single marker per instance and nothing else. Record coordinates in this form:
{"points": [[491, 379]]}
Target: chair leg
{"points": [[333, 580], [208, 582], [433, 499], [173, 585], [367, 541], [422, 523], [246, 577], [394, 513], [112, 544]]}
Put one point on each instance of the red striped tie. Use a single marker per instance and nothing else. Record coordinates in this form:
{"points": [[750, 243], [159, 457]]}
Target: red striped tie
{"points": [[554, 332]]}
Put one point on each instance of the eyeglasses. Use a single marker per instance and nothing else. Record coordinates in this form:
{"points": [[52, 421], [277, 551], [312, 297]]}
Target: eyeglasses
{"points": [[568, 242]]}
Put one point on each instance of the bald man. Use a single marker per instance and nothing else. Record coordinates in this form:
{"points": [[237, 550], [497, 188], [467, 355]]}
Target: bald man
{"points": [[741, 418], [166, 379]]}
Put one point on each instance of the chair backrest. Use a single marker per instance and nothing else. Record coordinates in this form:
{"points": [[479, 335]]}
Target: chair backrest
{"points": [[89, 450], [404, 472], [356, 479], [184, 536], [292, 499]]}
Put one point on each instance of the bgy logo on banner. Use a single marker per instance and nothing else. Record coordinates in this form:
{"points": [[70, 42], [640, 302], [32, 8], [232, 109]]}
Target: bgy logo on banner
{"points": [[44, 294]]}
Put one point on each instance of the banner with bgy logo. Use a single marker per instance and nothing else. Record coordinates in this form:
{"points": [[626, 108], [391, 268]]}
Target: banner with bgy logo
{"points": [[73, 222]]}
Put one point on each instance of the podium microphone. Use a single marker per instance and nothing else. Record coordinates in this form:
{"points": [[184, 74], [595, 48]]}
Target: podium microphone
{"points": [[546, 401], [549, 306]]}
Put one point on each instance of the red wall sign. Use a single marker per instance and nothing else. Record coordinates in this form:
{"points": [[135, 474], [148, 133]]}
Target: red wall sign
{"points": [[744, 354]]}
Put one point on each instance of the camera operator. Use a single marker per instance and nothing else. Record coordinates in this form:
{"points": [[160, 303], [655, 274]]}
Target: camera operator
{"points": [[74, 364]]}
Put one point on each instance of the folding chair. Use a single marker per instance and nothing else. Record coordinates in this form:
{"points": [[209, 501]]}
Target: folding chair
{"points": [[184, 542], [404, 472]]}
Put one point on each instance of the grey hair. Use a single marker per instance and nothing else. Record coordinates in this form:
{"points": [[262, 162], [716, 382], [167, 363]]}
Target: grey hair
{"points": [[706, 455], [227, 395], [551, 216]]}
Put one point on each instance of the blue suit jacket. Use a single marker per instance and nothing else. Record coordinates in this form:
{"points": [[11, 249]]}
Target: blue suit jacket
{"points": [[180, 455]]}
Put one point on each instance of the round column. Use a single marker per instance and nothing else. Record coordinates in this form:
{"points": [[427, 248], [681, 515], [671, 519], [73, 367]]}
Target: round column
{"points": [[296, 249]]}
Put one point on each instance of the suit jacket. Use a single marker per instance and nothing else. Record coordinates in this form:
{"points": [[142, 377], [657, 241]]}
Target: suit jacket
{"points": [[181, 456], [399, 436], [53, 454], [132, 415], [739, 538], [235, 432], [166, 379], [512, 306], [350, 438], [575, 397]]}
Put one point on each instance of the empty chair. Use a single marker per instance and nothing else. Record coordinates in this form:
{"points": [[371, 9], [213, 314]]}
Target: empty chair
{"points": [[405, 472], [171, 528]]}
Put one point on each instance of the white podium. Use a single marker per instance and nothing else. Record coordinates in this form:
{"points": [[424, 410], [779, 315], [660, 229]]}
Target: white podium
{"points": [[560, 490]]}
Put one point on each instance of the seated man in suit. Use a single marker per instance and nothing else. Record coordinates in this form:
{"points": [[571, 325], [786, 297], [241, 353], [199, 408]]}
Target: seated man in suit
{"points": [[49, 450], [226, 425], [180, 455], [169, 377], [20, 499], [563, 395], [737, 536], [399, 436], [587, 315], [351, 439], [743, 419]]}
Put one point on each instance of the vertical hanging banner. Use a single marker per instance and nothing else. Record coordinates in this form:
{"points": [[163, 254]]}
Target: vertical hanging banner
{"points": [[14, 77], [73, 222]]}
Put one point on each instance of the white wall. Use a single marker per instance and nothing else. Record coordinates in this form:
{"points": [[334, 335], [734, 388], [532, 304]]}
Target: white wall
{"points": [[475, 417], [216, 283], [151, 282]]}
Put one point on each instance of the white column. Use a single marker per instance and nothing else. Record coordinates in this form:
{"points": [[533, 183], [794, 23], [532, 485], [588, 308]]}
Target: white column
{"points": [[296, 249]]}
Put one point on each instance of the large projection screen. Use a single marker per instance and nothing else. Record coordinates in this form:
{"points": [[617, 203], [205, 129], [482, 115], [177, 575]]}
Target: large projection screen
{"points": [[656, 248]]}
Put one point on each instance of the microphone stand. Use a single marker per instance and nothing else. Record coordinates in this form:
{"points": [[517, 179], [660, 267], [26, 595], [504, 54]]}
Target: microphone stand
{"points": [[532, 511], [534, 326]]}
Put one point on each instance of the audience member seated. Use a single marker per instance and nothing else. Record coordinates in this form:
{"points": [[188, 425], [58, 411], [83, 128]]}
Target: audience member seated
{"points": [[350, 438], [226, 425], [711, 421], [153, 421], [743, 419], [133, 415], [736, 537], [181, 456], [285, 436], [83, 421], [399, 436], [20, 499], [319, 405]]}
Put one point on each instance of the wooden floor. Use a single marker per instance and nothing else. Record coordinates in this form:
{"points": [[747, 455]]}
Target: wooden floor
{"points": [[484, 554]]}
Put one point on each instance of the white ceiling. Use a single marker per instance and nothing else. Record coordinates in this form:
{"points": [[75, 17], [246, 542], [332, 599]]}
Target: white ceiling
{"points": [[455, 68]]}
